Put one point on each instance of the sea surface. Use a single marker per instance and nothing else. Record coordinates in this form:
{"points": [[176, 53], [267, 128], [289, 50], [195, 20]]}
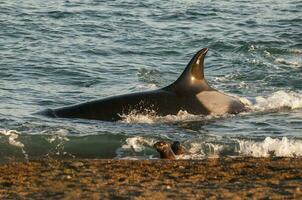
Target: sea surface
{"points": [[58, 53]]}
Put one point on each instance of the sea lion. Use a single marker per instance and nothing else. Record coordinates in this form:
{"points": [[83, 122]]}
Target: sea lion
{"points": [[164, 149], [178, 149]]}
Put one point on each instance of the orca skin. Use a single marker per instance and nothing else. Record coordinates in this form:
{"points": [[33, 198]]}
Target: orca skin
{"points": [[190, 92]]}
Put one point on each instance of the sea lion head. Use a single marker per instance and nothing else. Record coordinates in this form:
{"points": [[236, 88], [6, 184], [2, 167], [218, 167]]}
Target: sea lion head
{"points": [[164, 150], [178, 149]]}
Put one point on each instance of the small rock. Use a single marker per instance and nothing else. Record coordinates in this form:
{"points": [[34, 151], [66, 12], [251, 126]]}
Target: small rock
{"points": [[76, 164], [7, 184], [121, 179], [181, 167], [67, 171]]}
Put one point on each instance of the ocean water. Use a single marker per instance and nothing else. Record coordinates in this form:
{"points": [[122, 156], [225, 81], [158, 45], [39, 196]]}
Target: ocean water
{"points": [[57, 53]]}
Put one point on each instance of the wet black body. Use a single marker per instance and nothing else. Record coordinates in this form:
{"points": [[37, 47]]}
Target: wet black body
{"points": [[163, 102], [188, 93]]}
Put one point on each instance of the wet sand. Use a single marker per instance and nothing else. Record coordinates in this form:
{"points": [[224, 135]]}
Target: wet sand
{"points": [[230, 178]]}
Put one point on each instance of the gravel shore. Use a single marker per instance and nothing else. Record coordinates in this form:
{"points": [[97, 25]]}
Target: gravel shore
{"points": [[229, 178]]}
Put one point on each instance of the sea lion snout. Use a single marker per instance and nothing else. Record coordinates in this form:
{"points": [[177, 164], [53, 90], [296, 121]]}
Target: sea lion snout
{"points": [[168, 151], [161, 145], [164, 150]]}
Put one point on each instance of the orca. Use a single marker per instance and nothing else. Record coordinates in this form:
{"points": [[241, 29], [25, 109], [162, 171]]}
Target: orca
{"points": [[190, 92]]}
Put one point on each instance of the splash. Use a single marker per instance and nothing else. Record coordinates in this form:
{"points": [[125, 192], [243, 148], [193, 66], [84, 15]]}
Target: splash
{"points": [[133, 146], [59, 135], [12, 137], [150, 86], [138, 143], [276, 101], [271, 147], [150, 117], [12, 140], [200, 150], [59, 138], [196, 150], [277, 147]]}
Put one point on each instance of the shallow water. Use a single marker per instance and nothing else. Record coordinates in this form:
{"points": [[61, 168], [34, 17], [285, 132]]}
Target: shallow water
{"points": [[59, 53]]}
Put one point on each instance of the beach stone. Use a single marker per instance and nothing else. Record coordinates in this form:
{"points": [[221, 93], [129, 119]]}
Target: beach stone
{"points": [[74, 164], [77, 164]]}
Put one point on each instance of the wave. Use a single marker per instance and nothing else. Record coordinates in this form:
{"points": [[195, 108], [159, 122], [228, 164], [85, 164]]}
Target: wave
{"points": [[276, 101], [58, 144], [140, 147], [286, 62], [275, 147], [271, 147], [295, 51], [137, 143], [12, 136], [200, 149]]}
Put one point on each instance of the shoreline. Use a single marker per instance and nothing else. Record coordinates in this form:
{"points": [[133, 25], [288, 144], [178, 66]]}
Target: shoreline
{"points": [[241, 177]]}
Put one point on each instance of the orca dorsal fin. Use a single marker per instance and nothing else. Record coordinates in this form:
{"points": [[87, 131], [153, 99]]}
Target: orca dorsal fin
{"points": [[192, 79]]}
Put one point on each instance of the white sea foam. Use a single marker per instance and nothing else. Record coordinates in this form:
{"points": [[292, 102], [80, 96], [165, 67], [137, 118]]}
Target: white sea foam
{"points": [[137, 144], [150, 86], [287, 62], [271, 147], [12, 140], [58, 139], [151, 117], [59, 135], [283, 147], [279, 147], [134, 144], [12, 137], [277, 100], [255, 61], [200, 150]]}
